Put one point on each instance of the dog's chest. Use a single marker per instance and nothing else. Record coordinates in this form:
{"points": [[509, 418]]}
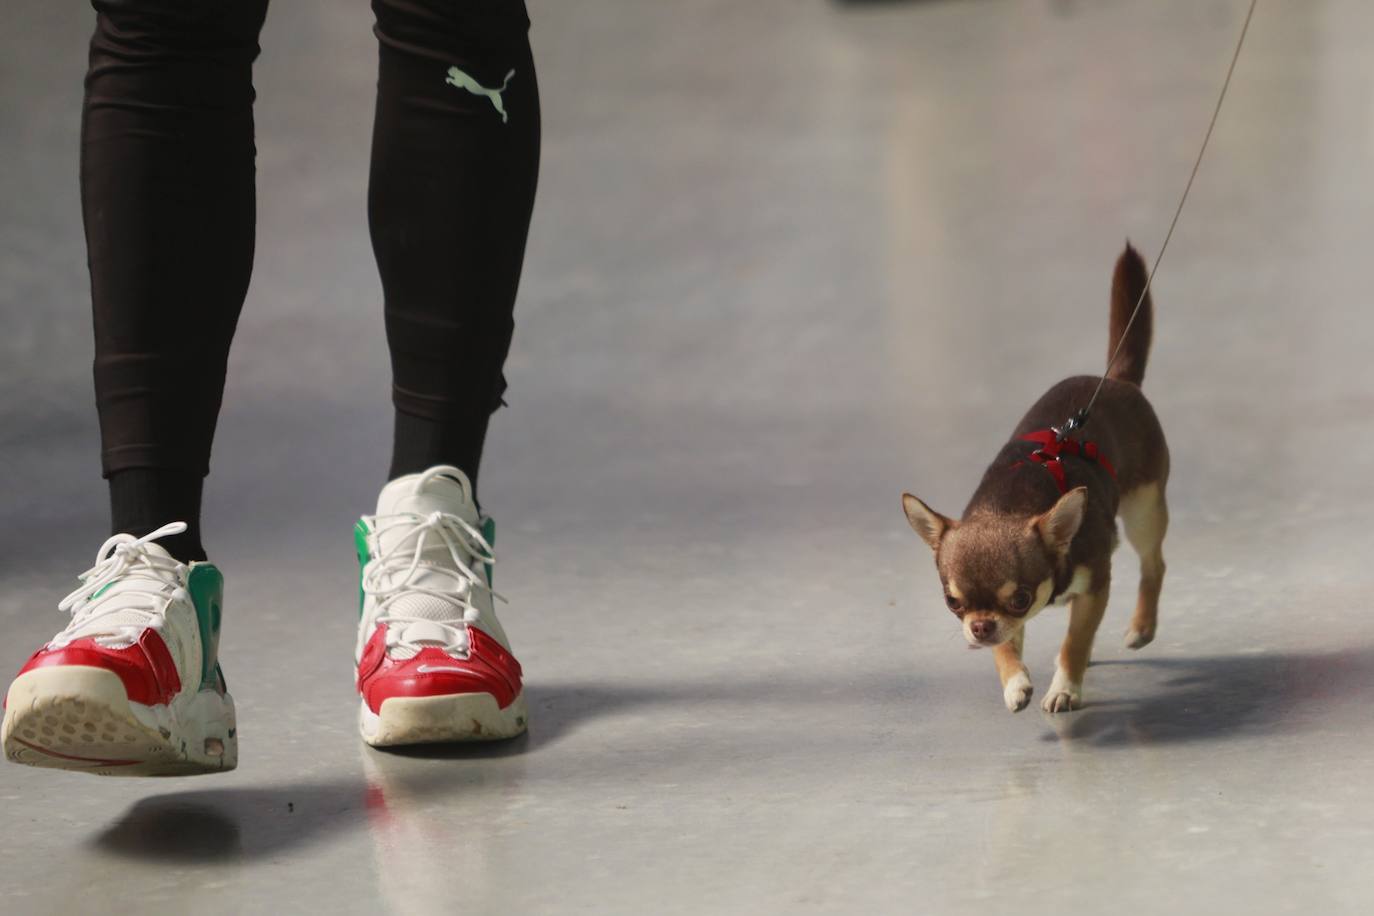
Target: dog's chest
{"points": [[1082, 579]]}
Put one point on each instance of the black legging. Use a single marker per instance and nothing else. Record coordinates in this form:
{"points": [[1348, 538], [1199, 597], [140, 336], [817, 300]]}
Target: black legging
{"points": [[167, 183]]}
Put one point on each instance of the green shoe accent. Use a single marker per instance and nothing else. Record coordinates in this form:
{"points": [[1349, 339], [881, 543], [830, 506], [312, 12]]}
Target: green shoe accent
{"points": [[364, 555], [489, 532], [205, 583]]}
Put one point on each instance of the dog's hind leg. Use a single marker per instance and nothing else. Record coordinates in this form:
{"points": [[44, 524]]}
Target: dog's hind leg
{"points": [[1145, 516], [1016, 684]]}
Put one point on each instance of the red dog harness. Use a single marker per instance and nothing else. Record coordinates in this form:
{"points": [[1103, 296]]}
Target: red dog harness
{"points": [[1052, 449]]}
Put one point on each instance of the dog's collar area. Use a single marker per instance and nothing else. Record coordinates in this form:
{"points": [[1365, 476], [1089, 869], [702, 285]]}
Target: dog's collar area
{"points": [[1053, 448]]}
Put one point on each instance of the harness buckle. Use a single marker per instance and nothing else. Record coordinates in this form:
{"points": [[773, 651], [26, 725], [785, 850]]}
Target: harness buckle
{"points": [[1072, 423]]}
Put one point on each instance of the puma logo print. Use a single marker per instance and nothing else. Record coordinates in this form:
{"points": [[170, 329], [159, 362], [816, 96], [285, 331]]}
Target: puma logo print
{"points": [[460, 79]]}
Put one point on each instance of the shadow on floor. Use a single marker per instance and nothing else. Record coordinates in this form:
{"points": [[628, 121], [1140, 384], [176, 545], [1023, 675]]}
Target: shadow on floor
{"points": [[558, 709], [228, 825], [1193, 699], [1213, 698], [879, 4]]}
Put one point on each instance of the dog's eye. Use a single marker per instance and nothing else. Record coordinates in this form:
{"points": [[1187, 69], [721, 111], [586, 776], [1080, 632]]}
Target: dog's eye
{"points": [[1021, 599], [954, 603]]}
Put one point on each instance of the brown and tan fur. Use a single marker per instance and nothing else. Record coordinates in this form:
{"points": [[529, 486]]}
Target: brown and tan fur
{"points": [[1021, 546]]}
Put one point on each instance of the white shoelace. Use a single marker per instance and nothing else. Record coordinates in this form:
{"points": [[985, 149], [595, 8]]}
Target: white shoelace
{"points": [[118, 616], [391, 576]]}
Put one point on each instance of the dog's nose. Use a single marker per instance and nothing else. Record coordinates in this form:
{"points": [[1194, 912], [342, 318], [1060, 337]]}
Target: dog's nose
{"points": [[982, 629]]}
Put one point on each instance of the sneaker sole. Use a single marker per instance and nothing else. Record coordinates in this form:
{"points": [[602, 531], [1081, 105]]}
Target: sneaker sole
{"points": [[79, 718], [441, 719]]}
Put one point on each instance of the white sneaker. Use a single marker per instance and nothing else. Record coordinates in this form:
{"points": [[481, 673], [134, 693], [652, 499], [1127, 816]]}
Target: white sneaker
{"points": [[434, 663], [132, 686]]}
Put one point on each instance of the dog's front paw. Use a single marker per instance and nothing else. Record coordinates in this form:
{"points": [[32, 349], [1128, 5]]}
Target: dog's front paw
{"points": [[1017, 693], [1139, 639], [1064, 695]]}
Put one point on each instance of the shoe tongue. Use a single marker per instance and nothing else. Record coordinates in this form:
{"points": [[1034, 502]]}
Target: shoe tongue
{"points": [[112, 613], [137, 576], [440, 489], [153, 547]]}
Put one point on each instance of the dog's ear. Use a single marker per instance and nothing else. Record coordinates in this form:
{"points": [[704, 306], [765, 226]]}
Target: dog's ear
{"points": [[1058, 526], [928, 523]]}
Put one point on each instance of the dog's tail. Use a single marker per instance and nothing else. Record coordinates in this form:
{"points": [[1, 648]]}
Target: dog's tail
{"points": [[1128, 283]]}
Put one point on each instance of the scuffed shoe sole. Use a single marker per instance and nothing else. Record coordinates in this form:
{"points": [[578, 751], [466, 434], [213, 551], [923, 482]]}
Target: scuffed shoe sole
{"points": [[441, 719], [80, 718]]}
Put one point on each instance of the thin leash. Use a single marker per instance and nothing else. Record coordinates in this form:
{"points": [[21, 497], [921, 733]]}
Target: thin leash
{"points": [[1081, 417]]}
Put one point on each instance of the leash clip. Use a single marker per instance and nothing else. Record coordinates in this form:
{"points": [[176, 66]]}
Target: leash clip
{"points": [[1072, 423]]}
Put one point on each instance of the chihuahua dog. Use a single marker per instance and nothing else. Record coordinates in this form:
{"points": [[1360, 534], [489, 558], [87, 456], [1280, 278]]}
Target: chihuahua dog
{"points": [[1041, 527]]}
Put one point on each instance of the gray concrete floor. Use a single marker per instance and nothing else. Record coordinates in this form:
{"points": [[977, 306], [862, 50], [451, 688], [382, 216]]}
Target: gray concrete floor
{"points": [[788, 259]]}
